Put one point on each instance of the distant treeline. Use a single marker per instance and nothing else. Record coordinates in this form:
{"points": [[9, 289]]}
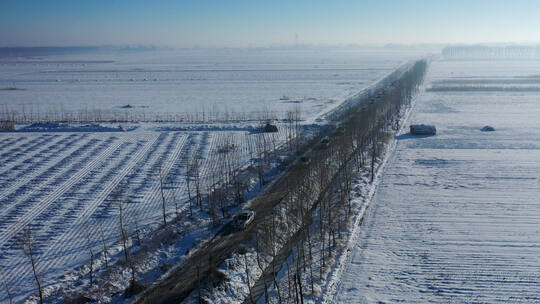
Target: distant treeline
{"points": [[24, 114], [483, 52], [25, 52], [485, 88]]}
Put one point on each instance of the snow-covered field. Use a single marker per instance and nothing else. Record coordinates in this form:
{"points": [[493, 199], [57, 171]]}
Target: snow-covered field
{"points": [[456, 216], [172, 82], [63, 184]]}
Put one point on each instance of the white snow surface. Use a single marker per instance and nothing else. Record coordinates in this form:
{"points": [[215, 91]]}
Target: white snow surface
{"points": [[456, 216], [61, 183], [169, 82]]}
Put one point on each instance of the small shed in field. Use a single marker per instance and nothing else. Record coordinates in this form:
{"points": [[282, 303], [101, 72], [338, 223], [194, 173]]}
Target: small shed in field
{"points": [[270, 128]]}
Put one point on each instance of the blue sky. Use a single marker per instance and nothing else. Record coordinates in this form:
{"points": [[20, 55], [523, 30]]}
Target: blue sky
{"points": [[261, 23]]}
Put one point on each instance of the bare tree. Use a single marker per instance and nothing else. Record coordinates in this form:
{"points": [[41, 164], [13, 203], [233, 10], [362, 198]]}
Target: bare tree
{"points": [[163, 203], [190, 198], [137, 228], [259, 263], [196, 171], [8, 291], [290, 129], [289, 289], [27, 243], [373, 152], [274, 255], [247, 278], [199, 296], [299, 277], [297, 127], [123, 233], [125, 239], [261, 159], [188, 186], [105, 249], [91, 250]]}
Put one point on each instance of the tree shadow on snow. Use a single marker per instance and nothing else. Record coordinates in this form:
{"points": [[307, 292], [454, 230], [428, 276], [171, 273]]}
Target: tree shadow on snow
{"points": [[409, 136]]}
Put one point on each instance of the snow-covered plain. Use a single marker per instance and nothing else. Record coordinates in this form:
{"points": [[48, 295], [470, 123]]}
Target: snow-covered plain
{"points": [[168, 82], [62, 183], [456, 216], [62, 186]]}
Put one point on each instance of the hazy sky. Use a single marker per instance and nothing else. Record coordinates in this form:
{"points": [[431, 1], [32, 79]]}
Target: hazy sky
{"points": [[262, 23]]}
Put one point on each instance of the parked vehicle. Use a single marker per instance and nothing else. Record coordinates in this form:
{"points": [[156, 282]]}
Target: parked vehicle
{"points": [[304, 161], [423, 130], [243, 219], [325, 142], [340, 131]]}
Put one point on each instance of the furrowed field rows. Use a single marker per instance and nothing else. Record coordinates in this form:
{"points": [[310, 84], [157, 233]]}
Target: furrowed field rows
{"points": [[212, 150], [108, 207], [6, 142], [144, 185], [28, 207], [33, 187], [65, 249], [455, 217], [175, 181], [65, 187], [57, 205], [12, 145], [37, 154], [46, 162], [64, 210], [202, 152], [74, 241], [16, 157]]}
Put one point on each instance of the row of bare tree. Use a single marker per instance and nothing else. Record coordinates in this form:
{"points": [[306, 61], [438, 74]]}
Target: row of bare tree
{"points": [[303, 230], [36, 113], [222, 187]]}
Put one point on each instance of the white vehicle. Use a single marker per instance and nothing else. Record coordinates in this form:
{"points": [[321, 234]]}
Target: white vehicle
{"points": [[243, 219], [325, 142]]}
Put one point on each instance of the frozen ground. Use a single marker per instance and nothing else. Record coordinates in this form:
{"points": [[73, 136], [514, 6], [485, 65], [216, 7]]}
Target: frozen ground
{"points": [[176, 82], [62, 183], [455, 218]]}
